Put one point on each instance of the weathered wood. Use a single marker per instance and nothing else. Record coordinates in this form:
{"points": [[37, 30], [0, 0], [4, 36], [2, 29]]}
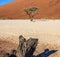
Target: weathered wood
{"points": [[26, 48], [22, 46], [31, 46], [6, 55], [13, 53]]}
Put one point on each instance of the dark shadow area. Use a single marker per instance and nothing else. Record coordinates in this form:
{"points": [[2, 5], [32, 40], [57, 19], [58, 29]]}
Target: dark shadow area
{"points": [[46, 53], [13, 53]]}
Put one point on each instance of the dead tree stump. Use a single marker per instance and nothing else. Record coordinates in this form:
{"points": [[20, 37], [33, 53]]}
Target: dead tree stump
{"points": [[22, 46], [26, 48]]}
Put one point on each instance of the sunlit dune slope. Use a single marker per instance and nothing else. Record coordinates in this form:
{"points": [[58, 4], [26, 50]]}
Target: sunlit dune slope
{"points": [[47, 9]]}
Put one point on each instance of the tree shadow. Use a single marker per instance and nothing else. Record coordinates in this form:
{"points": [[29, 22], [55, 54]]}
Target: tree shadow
{"points": [[46, 53]]}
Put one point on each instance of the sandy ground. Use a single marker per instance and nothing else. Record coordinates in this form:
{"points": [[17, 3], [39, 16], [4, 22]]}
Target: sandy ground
{"points": [[6, 46], [47, 31]]}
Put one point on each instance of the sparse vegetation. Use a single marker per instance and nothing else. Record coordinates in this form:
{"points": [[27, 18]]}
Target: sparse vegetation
{"points": [[31, 12]]}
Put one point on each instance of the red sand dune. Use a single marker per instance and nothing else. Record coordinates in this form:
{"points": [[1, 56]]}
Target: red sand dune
{"points": [[47, 9]]}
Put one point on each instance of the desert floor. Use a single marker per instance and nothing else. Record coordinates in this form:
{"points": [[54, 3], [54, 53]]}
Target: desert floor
{"points": [[47, 31]]}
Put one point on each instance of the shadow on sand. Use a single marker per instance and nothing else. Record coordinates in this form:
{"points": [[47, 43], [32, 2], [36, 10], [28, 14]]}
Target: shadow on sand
{"points": [[46, 53]]}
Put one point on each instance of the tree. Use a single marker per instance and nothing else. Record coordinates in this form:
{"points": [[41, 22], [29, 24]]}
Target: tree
{"points": [[31, 12]]}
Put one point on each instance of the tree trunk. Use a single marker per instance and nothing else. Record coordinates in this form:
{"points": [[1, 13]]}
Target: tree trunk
{"points": [[27, 48]]}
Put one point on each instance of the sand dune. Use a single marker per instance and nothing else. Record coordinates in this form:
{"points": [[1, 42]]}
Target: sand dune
{"points": [[47, 9]]}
